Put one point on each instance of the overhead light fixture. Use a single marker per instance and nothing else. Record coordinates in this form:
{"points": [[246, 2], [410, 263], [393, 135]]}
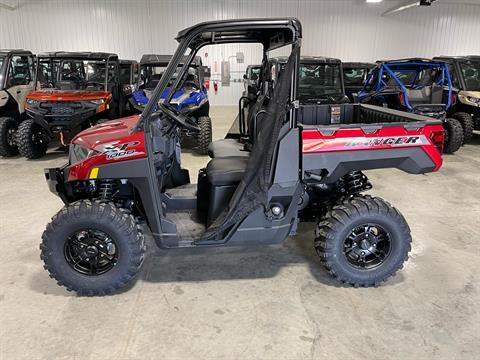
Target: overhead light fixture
{"points": [[374, 1], [408, 5]]}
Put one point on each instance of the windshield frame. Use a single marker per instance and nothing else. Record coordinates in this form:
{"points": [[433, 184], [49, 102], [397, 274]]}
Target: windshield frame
{"points": [[61, 60], [3, 70]]}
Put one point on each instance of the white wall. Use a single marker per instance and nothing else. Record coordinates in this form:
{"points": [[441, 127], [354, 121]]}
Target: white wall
{"points": [[347, 29]]}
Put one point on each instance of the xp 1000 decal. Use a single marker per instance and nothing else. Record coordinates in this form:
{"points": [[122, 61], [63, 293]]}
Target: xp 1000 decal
{"points": [[116, 151], [362, 143]]}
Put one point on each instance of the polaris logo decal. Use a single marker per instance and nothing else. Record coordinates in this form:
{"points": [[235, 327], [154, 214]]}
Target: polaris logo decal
{"points": [[363, 143], [116, 151]]}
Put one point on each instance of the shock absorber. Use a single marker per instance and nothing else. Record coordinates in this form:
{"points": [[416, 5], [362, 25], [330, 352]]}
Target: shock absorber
{"points": [[356, 182], [107, 189]]}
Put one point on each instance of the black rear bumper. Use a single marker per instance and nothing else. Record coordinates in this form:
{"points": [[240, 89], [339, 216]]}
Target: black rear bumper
{"points": [[55, 178]]}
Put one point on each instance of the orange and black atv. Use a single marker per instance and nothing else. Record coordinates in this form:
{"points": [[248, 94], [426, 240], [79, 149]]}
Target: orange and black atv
{"points": [[73, 91]]}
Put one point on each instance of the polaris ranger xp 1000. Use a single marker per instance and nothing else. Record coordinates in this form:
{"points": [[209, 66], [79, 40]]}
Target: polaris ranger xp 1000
{"points": [[126, 171], [73, 92]]}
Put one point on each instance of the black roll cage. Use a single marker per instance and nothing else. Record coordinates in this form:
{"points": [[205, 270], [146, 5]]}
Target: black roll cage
{"points": [[65, 56], [272, 33]]}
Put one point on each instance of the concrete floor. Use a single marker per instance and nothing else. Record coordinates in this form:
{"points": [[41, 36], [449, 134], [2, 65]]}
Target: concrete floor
{"points": [[268, 302]]}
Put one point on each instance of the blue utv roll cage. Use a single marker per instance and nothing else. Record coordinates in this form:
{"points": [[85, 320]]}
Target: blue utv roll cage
{"points": [[408, 65]]}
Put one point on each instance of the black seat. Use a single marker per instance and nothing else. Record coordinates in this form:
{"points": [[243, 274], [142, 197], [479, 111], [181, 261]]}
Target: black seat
{"points": [[226, 170], [227, 148], [232, 147]]}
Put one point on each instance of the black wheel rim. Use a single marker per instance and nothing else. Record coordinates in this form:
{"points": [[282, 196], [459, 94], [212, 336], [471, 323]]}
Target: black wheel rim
{"points": [[39, 137], [91, 252], [367, 246], [11, 136]]}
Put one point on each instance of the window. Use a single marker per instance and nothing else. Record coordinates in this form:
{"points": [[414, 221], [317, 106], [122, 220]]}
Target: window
{"points": [[471, 74], [125, 74], [19, 71], [319, 80], [355, 77]]}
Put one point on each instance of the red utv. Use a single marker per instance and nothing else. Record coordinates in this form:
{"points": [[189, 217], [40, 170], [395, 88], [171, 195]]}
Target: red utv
{"points": [[74, 90], [128, 171]]}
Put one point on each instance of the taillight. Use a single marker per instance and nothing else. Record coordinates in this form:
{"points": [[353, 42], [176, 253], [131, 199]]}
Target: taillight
{"points": [[402, 99], [453, 100], [438, 139]]}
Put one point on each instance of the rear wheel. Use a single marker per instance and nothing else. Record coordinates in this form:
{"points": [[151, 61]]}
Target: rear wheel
{"points": [[204, 137], [32, 140], [453, 135], [467, 125], [93, 248], [363, 241], [8, 128]]}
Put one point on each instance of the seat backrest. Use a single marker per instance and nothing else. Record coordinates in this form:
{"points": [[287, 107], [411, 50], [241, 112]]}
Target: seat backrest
{"points": [[419, 96], [66, 85], [259, 105], [437, 94]]}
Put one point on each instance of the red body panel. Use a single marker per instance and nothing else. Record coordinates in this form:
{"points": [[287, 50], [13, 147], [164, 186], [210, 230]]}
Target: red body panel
{"points": [[390, 137], [113, 141]]}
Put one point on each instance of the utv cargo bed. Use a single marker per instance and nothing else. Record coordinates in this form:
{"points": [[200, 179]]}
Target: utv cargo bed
{"points": [[401, 140]]}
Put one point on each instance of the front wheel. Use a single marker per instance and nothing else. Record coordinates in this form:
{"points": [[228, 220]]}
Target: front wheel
{"points": [[204, 137], [8, 128], [363, 241], [32, 140], [93, 248]]}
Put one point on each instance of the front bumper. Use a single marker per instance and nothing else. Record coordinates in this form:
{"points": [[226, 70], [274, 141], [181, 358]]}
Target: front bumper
{"points": [[55, 178]]}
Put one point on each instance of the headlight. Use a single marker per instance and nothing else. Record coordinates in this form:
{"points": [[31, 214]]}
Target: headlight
{"points": [[79, 153], [473, 99], [32, 102], [97, 101]]}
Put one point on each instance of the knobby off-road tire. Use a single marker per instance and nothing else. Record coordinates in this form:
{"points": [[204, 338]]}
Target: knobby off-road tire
{"points": [[8, 146], [467, 125], [453, 135], [346, 224], [93, 217], [204, 137], [32, 140]]}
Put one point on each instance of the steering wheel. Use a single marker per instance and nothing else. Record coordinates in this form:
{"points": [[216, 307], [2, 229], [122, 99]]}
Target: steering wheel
{"points": [[181, 119]]}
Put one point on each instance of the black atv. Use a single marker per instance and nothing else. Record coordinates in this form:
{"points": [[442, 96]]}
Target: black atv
{"points": [[465, 74]]}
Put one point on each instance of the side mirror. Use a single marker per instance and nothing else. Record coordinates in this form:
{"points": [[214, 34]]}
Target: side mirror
{"points": [[245, 76]]}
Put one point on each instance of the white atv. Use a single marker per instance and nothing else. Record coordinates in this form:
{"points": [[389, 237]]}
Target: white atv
{"points": [[16, 81]]}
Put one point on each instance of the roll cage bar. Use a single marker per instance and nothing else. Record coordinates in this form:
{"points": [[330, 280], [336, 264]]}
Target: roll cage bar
{"points": [[82, 56], [406, 66], [271, 33], [164, 60]]}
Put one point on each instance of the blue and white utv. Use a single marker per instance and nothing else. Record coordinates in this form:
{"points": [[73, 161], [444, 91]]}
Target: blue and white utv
{"points": [[191, 99]]}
